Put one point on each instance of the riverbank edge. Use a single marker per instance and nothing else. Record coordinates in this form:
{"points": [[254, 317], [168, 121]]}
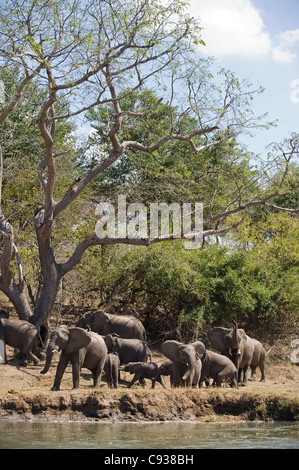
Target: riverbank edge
{"points": [[148, 405]]}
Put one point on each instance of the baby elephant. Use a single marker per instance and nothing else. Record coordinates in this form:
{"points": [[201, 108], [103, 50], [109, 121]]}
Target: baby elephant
{"points": [[166, 368], [111, 369], [144, 370], [218, 367]]}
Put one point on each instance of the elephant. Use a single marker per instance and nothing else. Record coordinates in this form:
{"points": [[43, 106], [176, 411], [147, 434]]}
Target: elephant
{"points": [[258, 360], [128, 350], [81, 348], [104, 323], [219, 368], [166, 368], [186, 359], [243, 351], [144, 370], [111, 369], [22, 335]]}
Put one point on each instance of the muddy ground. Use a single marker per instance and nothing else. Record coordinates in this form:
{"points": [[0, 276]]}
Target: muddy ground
{"points": [[25, 394]]}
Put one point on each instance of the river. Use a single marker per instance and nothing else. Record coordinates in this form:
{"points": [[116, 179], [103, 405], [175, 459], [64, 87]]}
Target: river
{"points": [[165, 435]]}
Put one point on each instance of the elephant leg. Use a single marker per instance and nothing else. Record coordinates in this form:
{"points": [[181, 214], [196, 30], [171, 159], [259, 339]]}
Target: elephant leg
{"points": [[234, 381], [218, 381], [33, 358], [114, 379], [135, 378], [153, 382], [245, 377], [262, 368], [97, 374], [176, 378], [161, 381], [76, 369], [253, 372], [63, 362], [240, 375]]}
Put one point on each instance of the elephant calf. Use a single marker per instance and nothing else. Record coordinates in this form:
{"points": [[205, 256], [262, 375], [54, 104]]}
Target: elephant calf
{"points": [[111, 369], [128, 350], [218, 367], [144, 370], [166, 368]]}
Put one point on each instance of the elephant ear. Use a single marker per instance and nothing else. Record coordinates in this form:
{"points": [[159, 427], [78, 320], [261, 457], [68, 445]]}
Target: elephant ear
{"points": [[199, 349], [170, 349], [216, 337], [242, 334], [78, 338], [99, 320]]}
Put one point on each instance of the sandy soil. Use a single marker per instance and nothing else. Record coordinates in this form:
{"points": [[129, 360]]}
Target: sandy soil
{"points": [[25, 394]]}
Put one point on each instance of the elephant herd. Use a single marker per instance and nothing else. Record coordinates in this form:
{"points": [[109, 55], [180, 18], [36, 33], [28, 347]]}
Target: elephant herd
{"points": [[101, 342]]}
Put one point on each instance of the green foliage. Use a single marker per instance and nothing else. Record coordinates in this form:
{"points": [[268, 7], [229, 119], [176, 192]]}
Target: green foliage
{"points": [[181, 293]]}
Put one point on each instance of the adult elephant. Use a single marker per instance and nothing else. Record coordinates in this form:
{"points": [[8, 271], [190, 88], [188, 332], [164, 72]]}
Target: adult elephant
{"points": [[186, 359], [128, 350], [240, 348], [81, 348], [22, 335], [105, 323], [258, 360]]}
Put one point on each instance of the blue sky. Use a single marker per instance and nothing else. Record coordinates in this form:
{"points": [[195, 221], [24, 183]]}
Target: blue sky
{"points": [[259, 41]]}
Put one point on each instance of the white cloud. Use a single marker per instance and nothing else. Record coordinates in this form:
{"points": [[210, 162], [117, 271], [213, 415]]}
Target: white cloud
{"points": [[287, 41], [231, 27], [281, 55]]}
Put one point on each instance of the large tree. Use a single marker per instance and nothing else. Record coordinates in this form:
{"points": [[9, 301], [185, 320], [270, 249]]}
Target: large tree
{"points": [[97, 53]]}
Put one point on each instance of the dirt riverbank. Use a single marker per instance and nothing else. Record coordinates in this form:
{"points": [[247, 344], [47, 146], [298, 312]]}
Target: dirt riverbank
{"points": [[25, 394]]}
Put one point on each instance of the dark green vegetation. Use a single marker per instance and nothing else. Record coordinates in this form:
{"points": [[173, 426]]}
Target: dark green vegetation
{"points": [[164, 130]]}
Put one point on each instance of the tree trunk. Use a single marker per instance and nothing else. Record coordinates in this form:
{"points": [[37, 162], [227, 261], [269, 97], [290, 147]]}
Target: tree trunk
{"points": [[17, 296], [51, 274], [15, 291]]}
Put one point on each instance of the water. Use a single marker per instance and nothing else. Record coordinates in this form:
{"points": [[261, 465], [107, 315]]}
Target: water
{"points": [[103, 435]]}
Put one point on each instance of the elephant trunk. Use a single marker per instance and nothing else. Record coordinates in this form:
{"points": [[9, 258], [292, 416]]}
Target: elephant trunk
{"points": [[49, 356], [188, 375], [235, 344]]}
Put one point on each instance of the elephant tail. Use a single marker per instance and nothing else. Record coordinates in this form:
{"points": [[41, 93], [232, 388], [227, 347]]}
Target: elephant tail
{"points": [[41, 341], [149, 354]]}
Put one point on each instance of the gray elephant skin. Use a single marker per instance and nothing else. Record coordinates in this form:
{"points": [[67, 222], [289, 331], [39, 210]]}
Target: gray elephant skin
{"points": [[144, 370], [81, 348], [128, 350], [219, 368], [166, 368], [186, 359], [22, 335], [244, 352], [105, 323], [111, 369]]}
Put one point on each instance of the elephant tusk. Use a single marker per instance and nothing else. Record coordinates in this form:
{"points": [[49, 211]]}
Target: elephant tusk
{"points": [[54, 351]]}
